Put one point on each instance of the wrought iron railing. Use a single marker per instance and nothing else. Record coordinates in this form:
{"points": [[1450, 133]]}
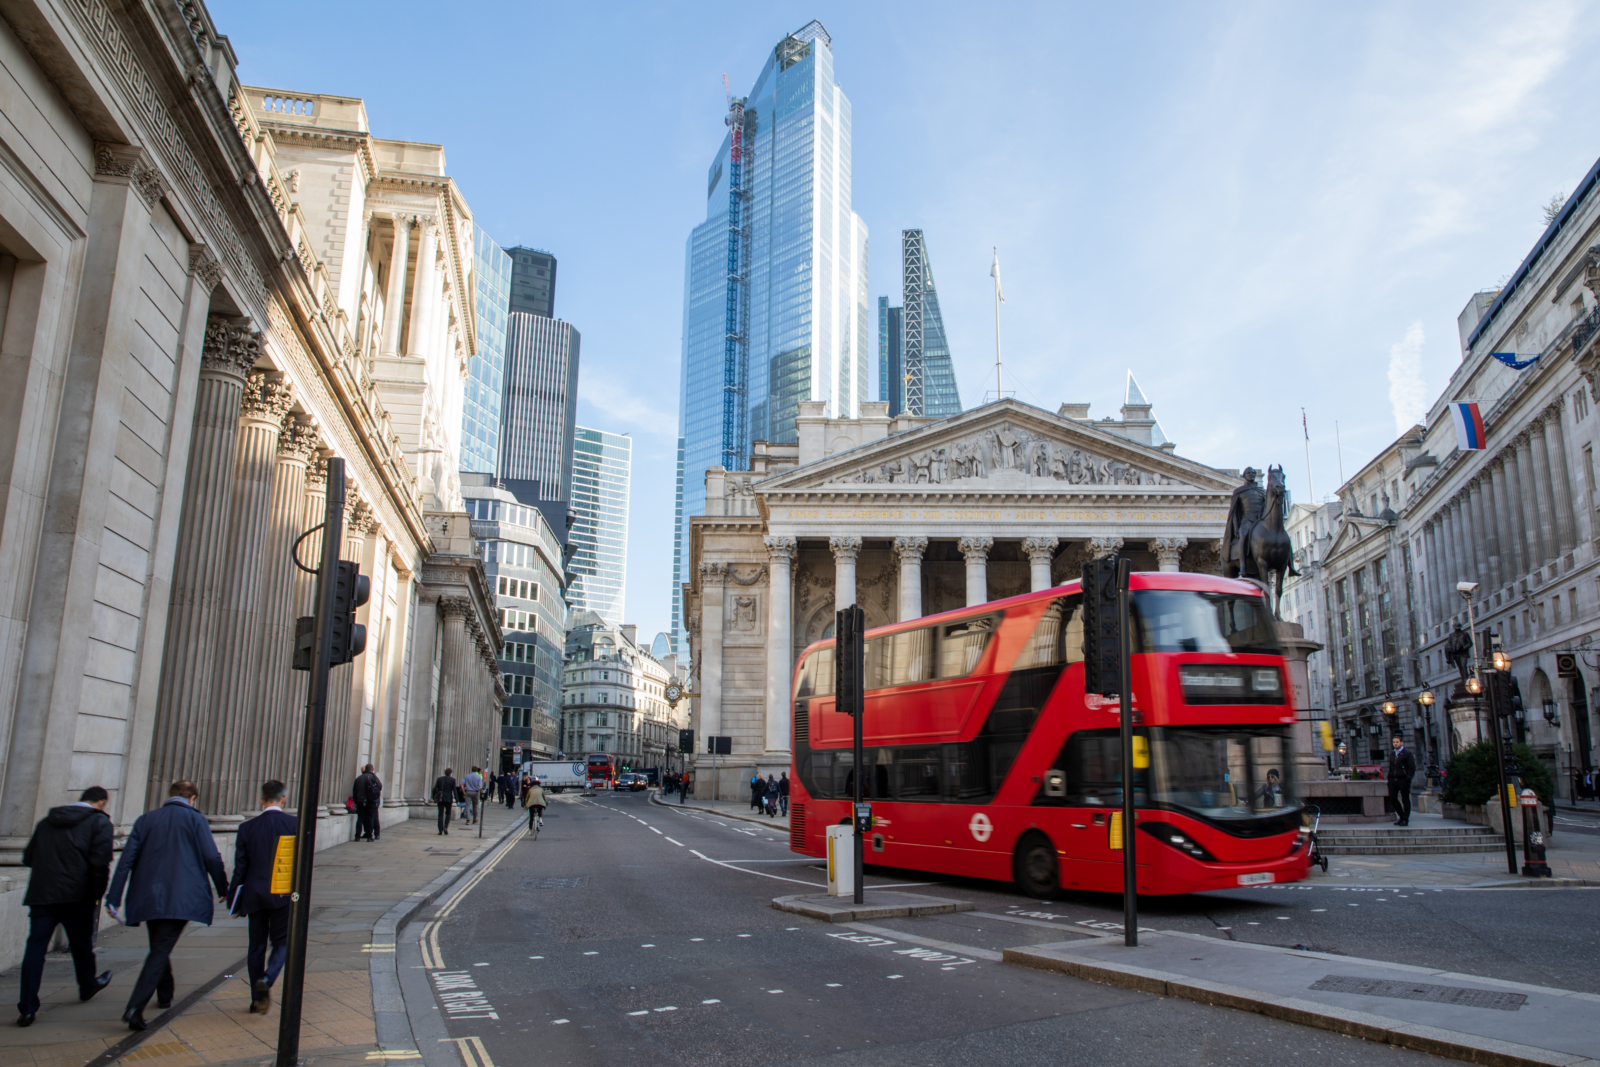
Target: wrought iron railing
{"points": [[1585, 328]]}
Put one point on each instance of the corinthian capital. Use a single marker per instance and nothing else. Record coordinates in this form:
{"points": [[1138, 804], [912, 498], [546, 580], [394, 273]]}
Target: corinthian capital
{"points": [[205, 267], [297, 440], [975, 548], [910, 549], [845, 549], [132, 163], [1168, 549], [1040, 549], [267, 398], [361, 521], [231, 347], [455, 607], [779, 549], [1101, 547]]}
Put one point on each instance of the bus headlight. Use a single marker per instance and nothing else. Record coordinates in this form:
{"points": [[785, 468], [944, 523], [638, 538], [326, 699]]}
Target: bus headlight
{"points": [[1168, 834]]}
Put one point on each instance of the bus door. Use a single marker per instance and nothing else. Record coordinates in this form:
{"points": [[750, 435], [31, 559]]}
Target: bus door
{"points": [[1085, 782]]}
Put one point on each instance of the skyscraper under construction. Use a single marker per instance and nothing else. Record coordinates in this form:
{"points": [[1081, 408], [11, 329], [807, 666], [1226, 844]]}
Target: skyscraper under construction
{"points": [[915, 373]]}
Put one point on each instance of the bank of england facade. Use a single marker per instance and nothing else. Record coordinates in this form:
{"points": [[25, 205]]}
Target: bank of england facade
{"points": [[910, 517]]}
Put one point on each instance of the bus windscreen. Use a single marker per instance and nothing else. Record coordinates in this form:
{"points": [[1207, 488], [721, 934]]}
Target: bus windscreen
{"points": [[1173, 620]]}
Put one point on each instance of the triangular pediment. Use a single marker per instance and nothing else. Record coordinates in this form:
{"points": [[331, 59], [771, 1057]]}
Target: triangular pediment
{"points": [[1353, 530], [1002, 447]]}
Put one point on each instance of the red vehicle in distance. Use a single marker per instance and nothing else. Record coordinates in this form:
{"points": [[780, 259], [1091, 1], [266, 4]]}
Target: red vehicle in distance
{"points": [[984, 757], [602, 768]]}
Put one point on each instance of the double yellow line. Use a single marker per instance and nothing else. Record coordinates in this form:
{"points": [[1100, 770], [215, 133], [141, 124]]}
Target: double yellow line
{"points": [[428, 941]]}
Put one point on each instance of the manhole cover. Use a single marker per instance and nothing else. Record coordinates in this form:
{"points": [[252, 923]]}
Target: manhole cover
{"points": [[561, 883], [1437, 994]]}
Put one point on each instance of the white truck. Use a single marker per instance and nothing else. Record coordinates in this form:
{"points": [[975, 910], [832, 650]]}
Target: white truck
{"points": [[556, 775]]}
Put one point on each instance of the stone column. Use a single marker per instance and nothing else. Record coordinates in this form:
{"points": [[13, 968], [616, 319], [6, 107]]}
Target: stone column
{"points": [[1544, 505], [1452, 558], [1101, 547], [424, 292], [976, 550], [780, 643], [1515, 553], [909, 550], [1484, 491], [202, 563], [711, 596], [845, 551], [1479, 551], [1532, 547], [455, 664], [1504, 535], [1560, 480], [225, 787], [1168, 550], [394, 298], [1434, 547], [1040, 552], [280, 693]]}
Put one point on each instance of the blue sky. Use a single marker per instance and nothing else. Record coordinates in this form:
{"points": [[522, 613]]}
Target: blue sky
{"points": [[1253, 207]]}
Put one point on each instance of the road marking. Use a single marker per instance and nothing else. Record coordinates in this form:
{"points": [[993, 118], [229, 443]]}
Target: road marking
{"points": [[591, 953], [678, 843], [645, 1012], [559, 1022], [759, 874], [647, 946], [472, 1051], [655, 831], [1315, 910], [458, 994], [774, 991], [697, 939], [670, 1007], [480, 965], [536, 957], [897, 976], [744, 935], [835, 985], [711, 1001]]}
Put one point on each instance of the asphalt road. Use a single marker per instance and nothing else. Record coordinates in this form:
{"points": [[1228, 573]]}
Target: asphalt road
{"points": [[614, 938]]}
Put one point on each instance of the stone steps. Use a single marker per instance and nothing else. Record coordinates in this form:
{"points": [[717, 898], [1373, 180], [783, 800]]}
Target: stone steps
{"points": [[1409, 841]]}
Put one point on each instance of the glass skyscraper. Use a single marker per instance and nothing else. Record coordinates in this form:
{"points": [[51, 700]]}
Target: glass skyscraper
{"points": [[480, 414], [898, 352], [891, 371], [775, 280], [533, 281], [602, 465]]}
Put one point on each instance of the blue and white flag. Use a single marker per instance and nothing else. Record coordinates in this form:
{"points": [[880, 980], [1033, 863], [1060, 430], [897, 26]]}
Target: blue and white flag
{"points": [[1510, 359]]}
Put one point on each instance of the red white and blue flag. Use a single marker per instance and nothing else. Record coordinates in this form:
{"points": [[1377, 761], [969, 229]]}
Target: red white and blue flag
{"points": [[1470, 436]]}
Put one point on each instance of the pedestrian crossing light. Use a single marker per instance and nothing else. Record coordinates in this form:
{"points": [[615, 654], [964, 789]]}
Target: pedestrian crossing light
{"points": [[351, 590]]}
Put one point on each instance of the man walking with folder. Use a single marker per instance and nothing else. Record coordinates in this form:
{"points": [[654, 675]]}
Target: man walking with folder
{"points": [[265, 845]]}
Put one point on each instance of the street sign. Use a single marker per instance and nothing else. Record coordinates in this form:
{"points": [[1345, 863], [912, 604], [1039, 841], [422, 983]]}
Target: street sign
{"points": [[1528, 799], [1567, 665]]}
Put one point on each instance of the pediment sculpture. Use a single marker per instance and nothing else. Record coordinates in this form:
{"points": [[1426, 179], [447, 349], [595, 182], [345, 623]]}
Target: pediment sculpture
{"points": [[997, 452]]}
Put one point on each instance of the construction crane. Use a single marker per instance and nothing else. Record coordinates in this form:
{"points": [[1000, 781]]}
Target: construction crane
{"points": [[735, 359]]}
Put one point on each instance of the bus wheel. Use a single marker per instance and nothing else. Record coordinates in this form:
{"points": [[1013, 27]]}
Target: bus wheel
{"points": [[1035, 869]]}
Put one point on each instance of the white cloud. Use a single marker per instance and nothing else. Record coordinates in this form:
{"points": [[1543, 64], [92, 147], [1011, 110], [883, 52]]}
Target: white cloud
{"points": [[1408, 396]]}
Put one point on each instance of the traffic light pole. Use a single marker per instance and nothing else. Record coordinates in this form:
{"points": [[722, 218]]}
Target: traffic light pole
{"points": [[1130, 873], [849, 661], [294, 968], [1498, 706]]}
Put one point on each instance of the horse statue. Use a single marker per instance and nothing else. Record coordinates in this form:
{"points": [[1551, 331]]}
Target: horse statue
{"points": [[1269, 554]]}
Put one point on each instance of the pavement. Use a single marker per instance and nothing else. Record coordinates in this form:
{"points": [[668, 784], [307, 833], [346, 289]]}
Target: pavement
{"points": [[1573, 854], [357, 887]]}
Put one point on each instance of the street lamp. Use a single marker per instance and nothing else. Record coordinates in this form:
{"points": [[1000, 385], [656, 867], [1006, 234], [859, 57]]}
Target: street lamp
{"points": [[1500, 660], [1552, 712], [1426, 698], [1388, 707], [1473, 685]]}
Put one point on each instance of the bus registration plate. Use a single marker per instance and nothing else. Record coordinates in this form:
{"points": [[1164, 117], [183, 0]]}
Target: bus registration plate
{"points": [[1256, 879]]}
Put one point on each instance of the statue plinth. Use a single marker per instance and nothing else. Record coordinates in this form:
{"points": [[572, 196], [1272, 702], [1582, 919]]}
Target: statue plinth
{"points": [[1340, 800]]}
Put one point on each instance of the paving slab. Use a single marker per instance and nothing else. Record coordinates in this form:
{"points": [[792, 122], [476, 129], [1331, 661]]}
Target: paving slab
{"points": [[1483, 1020], [879, 904]]}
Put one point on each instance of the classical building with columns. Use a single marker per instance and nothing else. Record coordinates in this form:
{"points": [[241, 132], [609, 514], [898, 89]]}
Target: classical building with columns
{"points": [[206, 293], [908, 517]]}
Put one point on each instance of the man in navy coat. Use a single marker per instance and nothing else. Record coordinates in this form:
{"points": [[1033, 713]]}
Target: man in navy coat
{"points": [[250, 893], [164, 868]]}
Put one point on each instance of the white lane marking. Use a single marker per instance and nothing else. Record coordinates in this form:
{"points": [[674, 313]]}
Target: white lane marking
{"points": [[536, 957], [697, 939], [678, 843], [558, 1022], [744, 935], [712, 1001], [647, 946], [780, 991], [897, 976], [480, 965], [591, 953], [758, 874], [1314, 910], [673, 1007], [655, 831], [647, 1010], [835, 985]]}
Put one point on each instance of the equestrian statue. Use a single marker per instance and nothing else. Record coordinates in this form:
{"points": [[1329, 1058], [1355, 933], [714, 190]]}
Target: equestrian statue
{"points": [[1254, 544]]}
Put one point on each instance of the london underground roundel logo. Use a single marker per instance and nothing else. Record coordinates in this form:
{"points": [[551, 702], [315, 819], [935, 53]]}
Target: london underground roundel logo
{"points": [[981, 827]]}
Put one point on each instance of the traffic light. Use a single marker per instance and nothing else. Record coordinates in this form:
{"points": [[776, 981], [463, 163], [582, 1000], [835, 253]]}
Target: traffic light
{"points": [[351, 589], [850, 625], [685, 740], [1102, 665]]}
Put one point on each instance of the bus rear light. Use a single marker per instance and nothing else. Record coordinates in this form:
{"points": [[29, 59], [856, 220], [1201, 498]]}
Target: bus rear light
{"points": [[1171, 835], [1220, 683]]}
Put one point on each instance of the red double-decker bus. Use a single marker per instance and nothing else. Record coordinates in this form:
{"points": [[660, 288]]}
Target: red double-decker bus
{"points": [[602, 770], [983, 755]]}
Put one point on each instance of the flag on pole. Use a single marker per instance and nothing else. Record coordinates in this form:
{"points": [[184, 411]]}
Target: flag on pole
{"points": [[1510, 359], [1470, 435], [994, 272], [1303, 425]]}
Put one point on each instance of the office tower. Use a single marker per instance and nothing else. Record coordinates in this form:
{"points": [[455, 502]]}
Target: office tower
{"points": [[775, 298], [533, 281], [930, 378], [539, 415], [680, 639], [891, 368], [485, 385], [601, 471]]}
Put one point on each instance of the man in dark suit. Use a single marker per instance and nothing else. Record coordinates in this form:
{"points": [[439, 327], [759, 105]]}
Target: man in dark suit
{"points": [[368, 794], [444, 795], [165, 865], [255, 853], [1402, 765], [70, 853]]}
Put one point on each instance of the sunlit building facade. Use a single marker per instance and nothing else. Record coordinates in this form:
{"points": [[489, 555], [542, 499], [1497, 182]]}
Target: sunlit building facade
{"points": [[486, 370], [602, 465]]}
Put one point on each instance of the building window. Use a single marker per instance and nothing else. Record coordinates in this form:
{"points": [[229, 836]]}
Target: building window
{"points": [[1382, 569], [1580, 404], [1389, 647], [1383, 605], [1344, 591], [1361, 582], [1364, 614]]}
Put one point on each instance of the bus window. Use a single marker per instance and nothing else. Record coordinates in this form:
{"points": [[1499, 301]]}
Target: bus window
{"points": [[961, 644], [1055, 642], [1091, 762], [1173, 620], [910, 656], [816, 675]]}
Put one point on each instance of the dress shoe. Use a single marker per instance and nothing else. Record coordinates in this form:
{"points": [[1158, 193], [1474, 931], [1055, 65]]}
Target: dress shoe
{"points": [[260, 998], [164, 1004], [135, 1019], [99, 984], [27, 1020]]}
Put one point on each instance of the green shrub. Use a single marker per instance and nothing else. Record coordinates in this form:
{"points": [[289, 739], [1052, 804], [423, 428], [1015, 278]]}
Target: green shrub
{"points": [[1470, 774]]}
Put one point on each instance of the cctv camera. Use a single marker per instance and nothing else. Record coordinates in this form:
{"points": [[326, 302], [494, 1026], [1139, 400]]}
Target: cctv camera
{"points": [[1466, 588]]}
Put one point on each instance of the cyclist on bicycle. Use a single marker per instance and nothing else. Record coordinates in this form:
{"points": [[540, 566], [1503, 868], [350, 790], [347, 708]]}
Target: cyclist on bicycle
{"points": [[533, 800]]}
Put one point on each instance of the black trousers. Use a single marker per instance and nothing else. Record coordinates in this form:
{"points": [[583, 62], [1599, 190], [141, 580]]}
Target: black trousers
{"points": [[446, 808], [78, 920], [534, 811], [367, 822], [156, 975], [271, 925], [1400, 797]]}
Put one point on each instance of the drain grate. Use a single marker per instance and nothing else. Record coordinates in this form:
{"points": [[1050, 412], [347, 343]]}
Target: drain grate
{"points": [[1437, 994], [562, 883]]}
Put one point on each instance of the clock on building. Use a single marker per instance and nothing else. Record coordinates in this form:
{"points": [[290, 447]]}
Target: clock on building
{"points": [[673, 693]]}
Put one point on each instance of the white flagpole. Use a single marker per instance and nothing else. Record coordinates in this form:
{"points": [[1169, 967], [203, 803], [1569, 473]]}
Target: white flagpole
{"points": [[999, 387]]}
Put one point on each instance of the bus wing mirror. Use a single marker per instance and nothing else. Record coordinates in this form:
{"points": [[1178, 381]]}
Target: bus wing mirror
{"points": [[1055, 783]]}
